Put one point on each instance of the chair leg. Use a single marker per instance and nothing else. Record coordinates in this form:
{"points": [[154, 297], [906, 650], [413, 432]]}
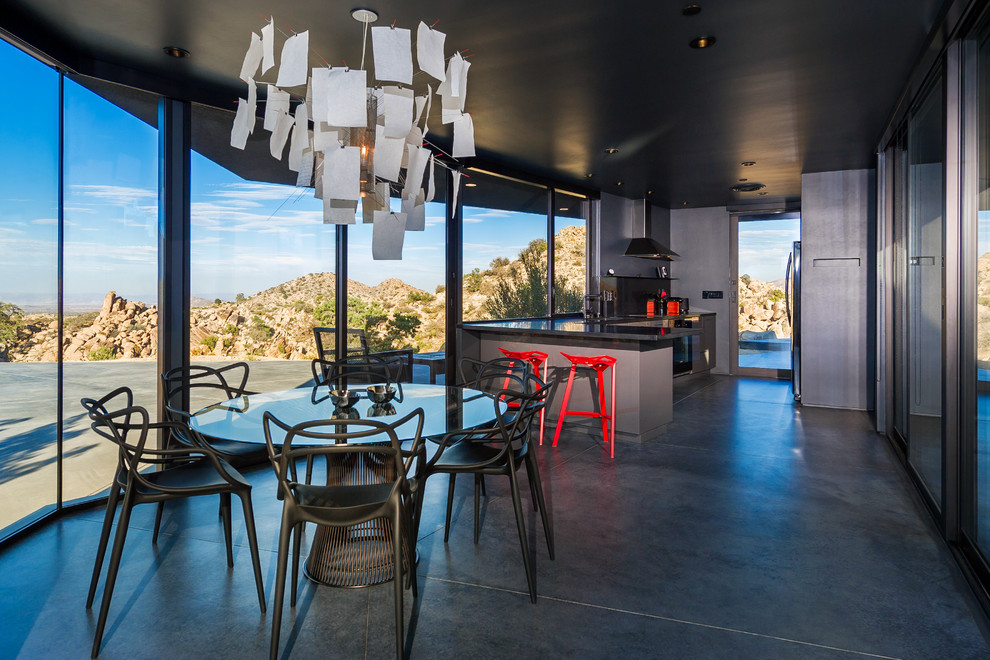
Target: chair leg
{"points": [[450, 506], [281, 564], [104, 539], [532, 486], [517, 505], [225, 514], [397, 577], [253, 544], [601, 405], [533, 472], [115, 553], [296, 549], [477, 505], [158, 523], [563, 406], [410, 546]]}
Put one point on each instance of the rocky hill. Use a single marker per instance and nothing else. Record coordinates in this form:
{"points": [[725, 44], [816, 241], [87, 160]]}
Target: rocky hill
{"points": [[277, 322], [762, 308]]}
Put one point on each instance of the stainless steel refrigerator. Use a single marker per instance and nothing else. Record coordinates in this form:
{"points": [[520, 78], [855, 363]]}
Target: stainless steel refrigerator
{"points": [[792, 298]]}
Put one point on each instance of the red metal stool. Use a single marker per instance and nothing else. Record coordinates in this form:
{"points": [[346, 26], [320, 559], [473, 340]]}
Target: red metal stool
{"points": [[599, 363], [535, 358]]}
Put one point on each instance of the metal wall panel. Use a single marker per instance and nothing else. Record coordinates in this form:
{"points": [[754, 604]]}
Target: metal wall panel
{"points": [[836, 218]]}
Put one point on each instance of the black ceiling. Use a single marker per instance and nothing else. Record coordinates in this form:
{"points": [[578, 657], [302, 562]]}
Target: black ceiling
{"points": [[794, 85]]}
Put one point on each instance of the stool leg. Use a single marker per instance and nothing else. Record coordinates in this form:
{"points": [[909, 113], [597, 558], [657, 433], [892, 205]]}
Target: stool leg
{"points": [[543, 410], [563, 406], [613, 411], [601, 404]]}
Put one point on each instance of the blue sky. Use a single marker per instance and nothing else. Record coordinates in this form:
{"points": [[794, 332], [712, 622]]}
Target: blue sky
{"points": [[246, 236], [764, 246]]}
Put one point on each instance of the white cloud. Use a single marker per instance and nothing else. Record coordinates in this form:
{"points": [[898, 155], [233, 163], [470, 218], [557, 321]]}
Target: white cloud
{"points": [[258, 191], [115, 194]]}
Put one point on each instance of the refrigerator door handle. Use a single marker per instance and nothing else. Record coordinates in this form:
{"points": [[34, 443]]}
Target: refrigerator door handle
{"points": [[787, 288]]}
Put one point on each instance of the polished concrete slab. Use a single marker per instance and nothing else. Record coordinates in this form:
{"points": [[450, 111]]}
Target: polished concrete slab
{"points": [[750, 528]]}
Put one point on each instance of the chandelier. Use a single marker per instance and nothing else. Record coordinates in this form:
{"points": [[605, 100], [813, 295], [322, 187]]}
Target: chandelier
{"points": [[351, 135]]}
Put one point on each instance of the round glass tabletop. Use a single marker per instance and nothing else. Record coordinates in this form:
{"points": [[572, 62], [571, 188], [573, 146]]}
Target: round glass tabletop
{"points": [[446, 409]]}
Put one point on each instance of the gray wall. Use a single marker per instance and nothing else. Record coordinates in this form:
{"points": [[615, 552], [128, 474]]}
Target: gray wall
{"points": [[619, 223], [701, 238], [836, 220]]}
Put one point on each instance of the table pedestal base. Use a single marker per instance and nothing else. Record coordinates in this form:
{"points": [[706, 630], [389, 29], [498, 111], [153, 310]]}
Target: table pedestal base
{"points": [[358, 556]]}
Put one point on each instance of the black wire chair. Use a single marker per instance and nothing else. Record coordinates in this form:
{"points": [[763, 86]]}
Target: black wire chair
{"points": [[366, 485], [399, 360], [184, 472], [203, 386], [498, 451]]}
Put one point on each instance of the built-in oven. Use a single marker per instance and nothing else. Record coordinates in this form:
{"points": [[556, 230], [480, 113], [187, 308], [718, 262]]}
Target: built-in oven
{"points": [[686, 349]]}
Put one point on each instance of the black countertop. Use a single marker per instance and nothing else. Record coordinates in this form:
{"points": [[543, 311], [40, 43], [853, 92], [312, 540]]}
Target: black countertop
{"points": [[641, 329]]}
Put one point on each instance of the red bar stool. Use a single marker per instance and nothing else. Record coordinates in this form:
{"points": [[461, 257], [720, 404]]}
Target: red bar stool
{"points": [[535, 358], [599, 363]]}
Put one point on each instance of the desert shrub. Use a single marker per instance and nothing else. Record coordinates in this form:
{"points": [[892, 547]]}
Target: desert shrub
{"points": [[498, 262], [210, 341], [11, 320], [324, 312], [746, 279], [441, 288], [472, 281], [239, 297], [217, 301], [228, 342], [523, 292], [421, 296], [102, 353], [230, 329], [776, 295], [259, 330]]}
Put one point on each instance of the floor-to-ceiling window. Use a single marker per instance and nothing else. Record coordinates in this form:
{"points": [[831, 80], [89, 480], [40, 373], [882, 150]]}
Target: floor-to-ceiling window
{"points": [[262, 260], [924, 279], [506, 255], [29, 137], [110, 290], [570, 253]]}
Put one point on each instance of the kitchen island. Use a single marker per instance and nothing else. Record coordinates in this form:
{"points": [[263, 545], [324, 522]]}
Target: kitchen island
{"points": [[644, 347]]}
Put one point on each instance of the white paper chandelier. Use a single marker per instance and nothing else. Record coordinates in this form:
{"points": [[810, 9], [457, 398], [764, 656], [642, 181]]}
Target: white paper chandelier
{"points": [[351, 136]]}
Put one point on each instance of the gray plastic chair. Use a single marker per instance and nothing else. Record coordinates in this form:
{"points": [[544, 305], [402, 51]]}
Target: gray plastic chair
{"points": [[184, 472]]}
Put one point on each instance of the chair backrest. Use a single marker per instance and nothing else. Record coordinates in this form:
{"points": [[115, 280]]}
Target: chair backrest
{"points": [[494, 375], [355, 370], [359, 451], [523, 406], [205, 385], [357, 343]]}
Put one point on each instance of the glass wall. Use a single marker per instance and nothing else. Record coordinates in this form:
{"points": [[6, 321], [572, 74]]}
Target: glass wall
{"points": [[110, 290], [262, 261], [925, 267], [401, 304], [28, 286], [570, 251], [506, 223]]}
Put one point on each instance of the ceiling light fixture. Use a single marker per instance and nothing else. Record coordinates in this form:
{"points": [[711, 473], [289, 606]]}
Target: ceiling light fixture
{"points": [[762, 193], [747, 187], [748, 163], [175, 51], [611, 150], [564, 208], [470, 185], [363, 15], [588, 175], [704, 41], [618, 183], [691, 10], [349, 163]]}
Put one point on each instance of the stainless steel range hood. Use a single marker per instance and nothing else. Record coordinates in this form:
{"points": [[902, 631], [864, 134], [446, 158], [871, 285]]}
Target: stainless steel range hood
{"points": [[644, 246]]}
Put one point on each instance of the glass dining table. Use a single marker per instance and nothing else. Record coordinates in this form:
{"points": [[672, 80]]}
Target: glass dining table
{"points": [[353, 556]]}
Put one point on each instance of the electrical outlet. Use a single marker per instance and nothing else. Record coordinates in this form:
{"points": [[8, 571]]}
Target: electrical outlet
{"points": [[711, 294]]}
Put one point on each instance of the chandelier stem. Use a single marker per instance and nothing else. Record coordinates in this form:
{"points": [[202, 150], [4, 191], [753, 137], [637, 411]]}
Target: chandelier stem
{"points": [[364, 43]]}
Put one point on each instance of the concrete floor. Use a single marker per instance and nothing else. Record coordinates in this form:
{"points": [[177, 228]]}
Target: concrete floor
{"points": [[751, 528]]}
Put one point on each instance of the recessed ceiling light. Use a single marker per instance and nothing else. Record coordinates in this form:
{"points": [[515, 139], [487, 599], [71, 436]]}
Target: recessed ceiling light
{"points": [[691, 10], [704, 41], [588, 175], [175, 51], [564, 208], [649, 192], [762, 193], [618, 183], [364, 15], [748, 163], [684, 203], [747, 187], [470, 185], [611, 150]]}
